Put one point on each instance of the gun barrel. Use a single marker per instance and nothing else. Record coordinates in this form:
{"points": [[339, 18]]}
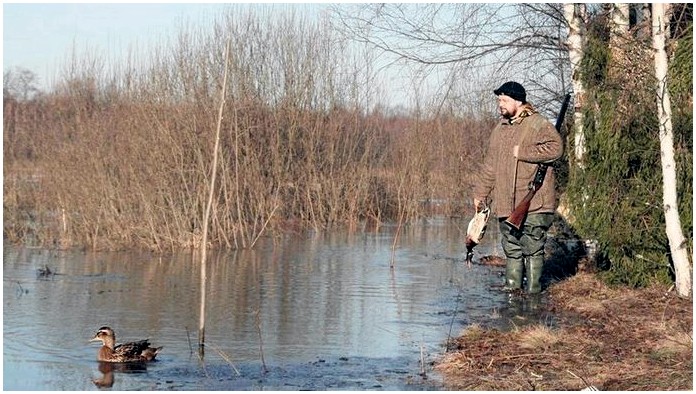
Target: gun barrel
{"points": [[561, 113]]}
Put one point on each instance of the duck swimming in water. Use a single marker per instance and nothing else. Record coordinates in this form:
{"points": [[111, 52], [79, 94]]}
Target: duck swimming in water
{"points": [[139, 351]]}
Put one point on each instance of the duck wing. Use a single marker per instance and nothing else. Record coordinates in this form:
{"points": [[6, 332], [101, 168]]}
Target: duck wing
{"points": [[138, 350]]}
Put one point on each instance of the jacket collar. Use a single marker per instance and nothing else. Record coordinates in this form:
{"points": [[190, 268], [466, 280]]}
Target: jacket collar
{"points": [[527, 110]]}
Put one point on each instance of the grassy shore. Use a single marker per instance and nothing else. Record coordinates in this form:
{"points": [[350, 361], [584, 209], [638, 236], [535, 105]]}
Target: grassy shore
{"points": [[609, 338]]}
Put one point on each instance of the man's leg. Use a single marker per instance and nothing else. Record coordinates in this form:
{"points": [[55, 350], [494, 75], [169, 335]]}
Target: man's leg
{"points": [[532, 241], [513, 256]]}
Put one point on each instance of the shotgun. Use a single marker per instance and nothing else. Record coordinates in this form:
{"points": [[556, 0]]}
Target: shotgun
{"points": [[520, 213]]}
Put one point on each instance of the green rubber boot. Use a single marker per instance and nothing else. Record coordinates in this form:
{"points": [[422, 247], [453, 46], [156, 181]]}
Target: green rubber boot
{"points": [[513, 274], [534, 267]]}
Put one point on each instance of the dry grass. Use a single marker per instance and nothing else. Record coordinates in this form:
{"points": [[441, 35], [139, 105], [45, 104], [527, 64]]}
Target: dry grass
{"points": [[538, 337], [614, 339], [121, 160]]}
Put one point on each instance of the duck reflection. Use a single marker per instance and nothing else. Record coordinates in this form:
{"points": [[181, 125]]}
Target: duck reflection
{"points": [[107, 370]]}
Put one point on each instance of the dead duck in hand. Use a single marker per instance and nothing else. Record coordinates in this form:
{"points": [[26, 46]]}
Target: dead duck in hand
{"points": [[139, 351]]}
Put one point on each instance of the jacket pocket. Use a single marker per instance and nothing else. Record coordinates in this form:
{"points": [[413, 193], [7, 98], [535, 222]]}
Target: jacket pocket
{"points": [[525, 174]]}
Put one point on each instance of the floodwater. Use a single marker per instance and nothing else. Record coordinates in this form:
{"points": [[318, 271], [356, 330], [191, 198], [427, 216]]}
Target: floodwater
{"points": [[319, 311]]}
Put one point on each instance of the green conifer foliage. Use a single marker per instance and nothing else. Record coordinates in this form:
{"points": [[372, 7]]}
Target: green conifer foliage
{"points": [[681, 81], [616, 197]]}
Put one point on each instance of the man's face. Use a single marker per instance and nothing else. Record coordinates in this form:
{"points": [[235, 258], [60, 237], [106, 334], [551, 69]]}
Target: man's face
{"points": [[507, 106]]}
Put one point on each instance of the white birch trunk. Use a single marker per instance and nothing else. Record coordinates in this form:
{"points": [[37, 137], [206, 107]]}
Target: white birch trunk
{"points": [[619, 18], [575, 14], [677, 242]]}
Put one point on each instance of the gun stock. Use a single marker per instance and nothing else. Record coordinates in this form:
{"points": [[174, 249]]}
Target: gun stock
{"points": [[517, 216], [520, 213]]}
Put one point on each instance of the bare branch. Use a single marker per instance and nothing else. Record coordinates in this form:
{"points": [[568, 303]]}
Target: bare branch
{"points": [[521, 41]]}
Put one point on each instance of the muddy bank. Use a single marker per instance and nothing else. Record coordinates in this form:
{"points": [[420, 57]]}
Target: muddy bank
{"points": [[609, 338]]}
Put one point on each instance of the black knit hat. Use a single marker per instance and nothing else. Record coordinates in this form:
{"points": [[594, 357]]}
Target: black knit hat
{"points": [[513, 90]]}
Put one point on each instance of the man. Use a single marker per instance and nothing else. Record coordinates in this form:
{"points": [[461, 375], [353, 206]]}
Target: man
{"points": [[521, 141]]}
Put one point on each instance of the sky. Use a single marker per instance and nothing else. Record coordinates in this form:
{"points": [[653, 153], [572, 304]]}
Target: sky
{"points": [[42, 37]]}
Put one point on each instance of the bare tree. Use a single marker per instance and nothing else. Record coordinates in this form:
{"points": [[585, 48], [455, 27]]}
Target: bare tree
{"points": [[508, 41], [20, 84], [677, 242]]}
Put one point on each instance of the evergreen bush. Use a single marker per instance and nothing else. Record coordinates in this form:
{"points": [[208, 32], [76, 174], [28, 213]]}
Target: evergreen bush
{"points": [[616, 196]]}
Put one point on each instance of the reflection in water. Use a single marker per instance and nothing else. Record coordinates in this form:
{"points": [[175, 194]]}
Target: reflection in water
{"points": [[523, 309], [107, 370], [107, 379], [282, 307]]}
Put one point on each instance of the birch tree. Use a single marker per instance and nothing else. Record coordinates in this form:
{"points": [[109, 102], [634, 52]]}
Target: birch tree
{"points": [[576, 15], [677, 242]]}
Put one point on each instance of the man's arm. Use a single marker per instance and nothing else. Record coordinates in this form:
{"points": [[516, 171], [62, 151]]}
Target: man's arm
{"points": [[485, 177], [543, 146]]}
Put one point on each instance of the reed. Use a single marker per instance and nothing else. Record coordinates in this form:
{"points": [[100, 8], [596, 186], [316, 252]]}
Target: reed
{"points": [[227, 359], [257, 319], [116, 159], [209, 206]]}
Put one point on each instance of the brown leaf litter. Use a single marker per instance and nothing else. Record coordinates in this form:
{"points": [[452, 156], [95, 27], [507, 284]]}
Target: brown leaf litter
{"points": [[609, 338]]}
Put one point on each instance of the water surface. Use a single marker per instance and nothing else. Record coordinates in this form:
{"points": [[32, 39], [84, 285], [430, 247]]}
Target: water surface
{"points": [[319, 311]]}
